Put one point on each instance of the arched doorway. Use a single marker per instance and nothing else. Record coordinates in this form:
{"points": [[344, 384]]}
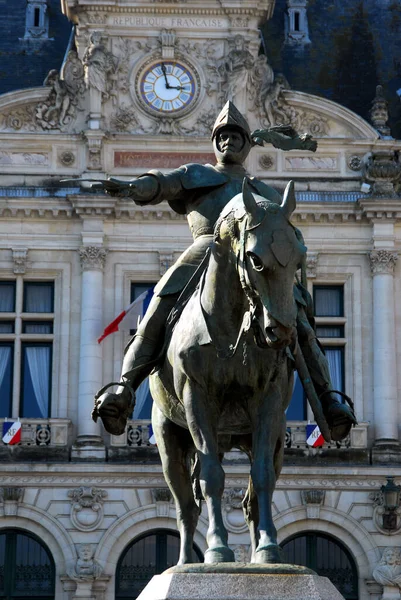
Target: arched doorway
{"points": [[327, 556], [26, 567], [148, 555]]}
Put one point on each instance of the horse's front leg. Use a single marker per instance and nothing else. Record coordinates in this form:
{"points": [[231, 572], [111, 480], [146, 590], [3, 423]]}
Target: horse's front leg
{"points": [[202, 419], [174, 443], [268, 445]]}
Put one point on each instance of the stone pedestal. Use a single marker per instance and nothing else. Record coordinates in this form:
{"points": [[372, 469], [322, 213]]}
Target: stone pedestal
{"points": [[239, 581], [391, 593]]}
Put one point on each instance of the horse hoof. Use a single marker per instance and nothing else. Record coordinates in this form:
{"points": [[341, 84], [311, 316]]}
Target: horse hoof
{"points": [[219, 555], [268, 555]]}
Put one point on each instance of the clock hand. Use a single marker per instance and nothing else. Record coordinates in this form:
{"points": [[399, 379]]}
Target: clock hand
{"points": [[163, 68]]}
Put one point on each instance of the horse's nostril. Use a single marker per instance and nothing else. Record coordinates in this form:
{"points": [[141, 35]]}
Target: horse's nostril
{"points": [[270, 334]]}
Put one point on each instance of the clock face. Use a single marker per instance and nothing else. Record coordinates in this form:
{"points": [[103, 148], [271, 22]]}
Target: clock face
{"points": [[168, 87]]}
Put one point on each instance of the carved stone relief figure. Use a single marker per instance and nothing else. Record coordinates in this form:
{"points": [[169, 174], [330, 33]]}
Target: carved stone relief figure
{"points": [[66, 89], [388, 571], [237, 67], [99, 65], [86, 567]]}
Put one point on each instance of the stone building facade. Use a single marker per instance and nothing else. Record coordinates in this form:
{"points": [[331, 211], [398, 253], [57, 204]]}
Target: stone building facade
{"points": [[71, 260]]}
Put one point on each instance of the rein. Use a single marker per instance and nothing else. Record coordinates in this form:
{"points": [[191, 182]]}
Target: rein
{"points": [[248, 290]]}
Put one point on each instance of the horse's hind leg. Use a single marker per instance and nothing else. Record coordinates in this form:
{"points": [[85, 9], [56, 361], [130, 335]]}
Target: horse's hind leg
{"points": [[268, 443], [175, 444]]}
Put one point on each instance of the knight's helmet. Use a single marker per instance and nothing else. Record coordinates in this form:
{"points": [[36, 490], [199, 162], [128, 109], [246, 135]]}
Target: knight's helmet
{"points": [[230, 116]]}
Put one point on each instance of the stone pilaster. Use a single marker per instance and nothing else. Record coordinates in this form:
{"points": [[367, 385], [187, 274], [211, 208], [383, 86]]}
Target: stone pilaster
{"points": [[89, 444], [382, 263]]}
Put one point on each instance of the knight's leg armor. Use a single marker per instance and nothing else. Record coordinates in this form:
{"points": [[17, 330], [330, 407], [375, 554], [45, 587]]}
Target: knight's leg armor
{"points": [[139, 360], [340, 417]]}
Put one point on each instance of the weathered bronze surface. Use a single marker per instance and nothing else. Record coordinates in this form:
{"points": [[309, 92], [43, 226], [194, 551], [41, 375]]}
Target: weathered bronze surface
{"points": [[237, 328]]}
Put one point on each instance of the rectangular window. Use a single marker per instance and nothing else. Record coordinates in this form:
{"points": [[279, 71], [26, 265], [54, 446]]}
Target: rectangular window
{"points": [[35, 381], [6, 375], [328, 300], [330, 329], [7, 296], [26, 344]]}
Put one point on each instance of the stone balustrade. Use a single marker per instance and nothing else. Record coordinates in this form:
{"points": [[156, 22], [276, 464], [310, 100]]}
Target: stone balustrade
{"points": [[43, 432], [137, 435]]}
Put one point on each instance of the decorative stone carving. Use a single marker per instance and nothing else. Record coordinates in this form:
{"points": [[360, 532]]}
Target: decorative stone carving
{"points": [[20, 258], [388, 571], [66, 89], [161, 495], [92, 258], [167, 40], [377, 498], [10, 498], [67, 158], [163, 499], [94, 141], [241, 553], [19, 159], [238, 65], [384, 170], [94, 18], [233, 516], [266, 161], [20, 118], [87, 507], [311, 264], [382, 261], [100, 66], [313, 500], [124, 119], [354, 162], [379, 112], [86, 567]]}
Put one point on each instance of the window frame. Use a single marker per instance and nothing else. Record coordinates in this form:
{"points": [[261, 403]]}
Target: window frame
{"points": [[10, 567], [23, 366], [161, 534], [19, 339]]}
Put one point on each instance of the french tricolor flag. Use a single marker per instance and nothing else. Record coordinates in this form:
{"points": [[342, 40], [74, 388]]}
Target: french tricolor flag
{"points": [[313, 436], [11, 432], [130, 317]]}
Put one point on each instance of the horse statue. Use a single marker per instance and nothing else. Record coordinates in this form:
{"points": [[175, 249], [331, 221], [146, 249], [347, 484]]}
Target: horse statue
{"points": [[226, 379]]}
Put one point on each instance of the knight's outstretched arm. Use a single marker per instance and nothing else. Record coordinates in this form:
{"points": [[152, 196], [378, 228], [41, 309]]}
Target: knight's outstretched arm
{"points": [[150, 188]]}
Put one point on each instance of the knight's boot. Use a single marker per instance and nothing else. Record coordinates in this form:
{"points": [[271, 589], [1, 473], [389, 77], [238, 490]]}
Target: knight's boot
{"points": [[115, 408], [340, 416]]}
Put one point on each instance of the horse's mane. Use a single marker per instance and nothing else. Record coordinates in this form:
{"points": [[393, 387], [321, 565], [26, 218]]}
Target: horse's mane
{"points": [[235, 205]]}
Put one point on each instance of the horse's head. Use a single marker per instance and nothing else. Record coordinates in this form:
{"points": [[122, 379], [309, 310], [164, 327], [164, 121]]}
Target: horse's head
{"points": [[269, 254]]}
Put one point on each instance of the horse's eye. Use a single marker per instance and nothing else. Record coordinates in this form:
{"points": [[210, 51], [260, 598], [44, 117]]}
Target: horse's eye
{"points": [[256, 263]]}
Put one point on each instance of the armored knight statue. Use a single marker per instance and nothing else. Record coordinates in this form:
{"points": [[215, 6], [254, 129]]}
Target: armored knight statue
{"points": [[201, 192]]}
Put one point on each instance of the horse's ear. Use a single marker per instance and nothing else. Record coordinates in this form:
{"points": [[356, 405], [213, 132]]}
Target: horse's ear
{"points": [[289, 203], [253, 209]]}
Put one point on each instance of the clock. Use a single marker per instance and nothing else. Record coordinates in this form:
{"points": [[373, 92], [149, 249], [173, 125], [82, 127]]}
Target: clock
{"points": [[169, 87]]}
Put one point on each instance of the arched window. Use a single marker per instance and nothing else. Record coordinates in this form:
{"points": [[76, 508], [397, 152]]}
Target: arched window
{"points": [[26, 567], [327, 556], [148, 555]]}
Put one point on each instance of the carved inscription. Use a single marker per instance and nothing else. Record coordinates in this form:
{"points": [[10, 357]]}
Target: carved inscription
{"points": [[169, 22], [310, 163], [163, 160]]}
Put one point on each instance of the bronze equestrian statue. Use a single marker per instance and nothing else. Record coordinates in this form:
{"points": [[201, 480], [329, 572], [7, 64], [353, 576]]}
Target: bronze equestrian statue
{"points": [[224, 331]]}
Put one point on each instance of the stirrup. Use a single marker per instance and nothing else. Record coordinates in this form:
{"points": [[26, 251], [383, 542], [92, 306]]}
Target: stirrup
{"points": [[346, 398], [122, 383]]}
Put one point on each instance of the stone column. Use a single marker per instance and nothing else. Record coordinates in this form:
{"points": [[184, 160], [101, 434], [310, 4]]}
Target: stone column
{"points": [[89, 444], [382, 264]]}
